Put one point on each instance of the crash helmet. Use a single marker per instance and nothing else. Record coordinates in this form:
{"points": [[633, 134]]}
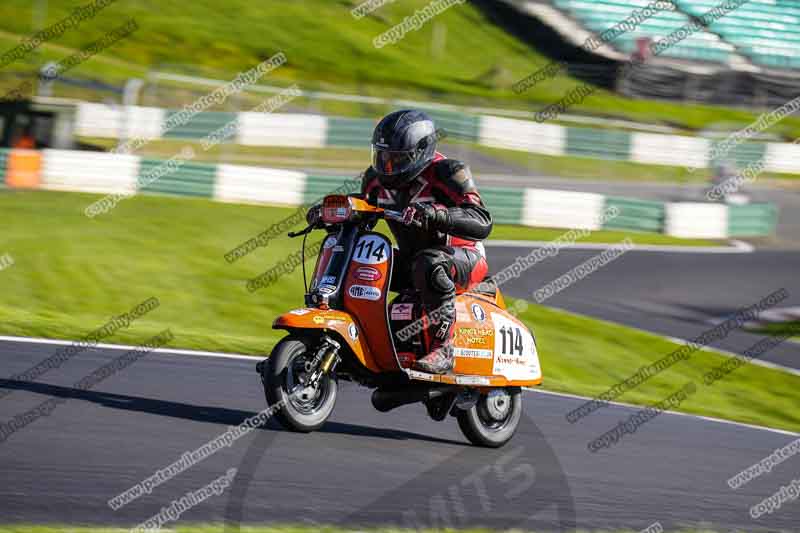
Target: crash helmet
{"points": [[403, 144]]}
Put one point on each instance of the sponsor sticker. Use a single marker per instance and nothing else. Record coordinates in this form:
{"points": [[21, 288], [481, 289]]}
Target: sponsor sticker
{"points": [[300, 312], [326, 289], [478, 313], [364, 292], [352, 330], [415, 374], [402, 311], [338, 248], [472, 380], [474, 353], [319, 320], [474, 335], [328, 280], [329, 242], [367, 274]]}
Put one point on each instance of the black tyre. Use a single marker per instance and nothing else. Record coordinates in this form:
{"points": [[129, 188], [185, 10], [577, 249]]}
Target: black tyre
{"points": [[494, 419], [301, 408]]}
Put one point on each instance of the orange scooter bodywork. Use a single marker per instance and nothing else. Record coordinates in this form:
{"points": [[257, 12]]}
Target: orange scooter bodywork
{"points": [[491, 347]]}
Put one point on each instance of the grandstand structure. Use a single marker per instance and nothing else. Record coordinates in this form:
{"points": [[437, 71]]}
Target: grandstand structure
{"points": [[750, 51], [766, 33]]}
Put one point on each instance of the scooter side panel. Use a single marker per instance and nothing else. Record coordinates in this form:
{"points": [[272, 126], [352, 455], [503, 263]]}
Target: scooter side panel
{"points": [[365, 291], [339, 321], [491, 342]]}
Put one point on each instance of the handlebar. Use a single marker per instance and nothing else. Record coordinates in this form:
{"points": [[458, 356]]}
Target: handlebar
{"points": [[393, 215], [293, 234], [386, 213]]}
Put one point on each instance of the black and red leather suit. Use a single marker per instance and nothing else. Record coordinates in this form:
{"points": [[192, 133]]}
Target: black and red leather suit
{"points": [[437, 261]]}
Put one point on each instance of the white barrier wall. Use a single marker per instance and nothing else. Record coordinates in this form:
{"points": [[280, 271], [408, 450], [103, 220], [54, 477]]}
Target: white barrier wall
{"points": [[497, 132], [562, 209], [783, 157], [675, 150], [696, 220], [98, 120], [70, 170], [242, 184], [282, 129]]}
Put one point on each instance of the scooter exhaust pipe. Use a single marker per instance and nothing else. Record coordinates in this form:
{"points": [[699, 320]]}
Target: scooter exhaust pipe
{"points": [[387, 399]]}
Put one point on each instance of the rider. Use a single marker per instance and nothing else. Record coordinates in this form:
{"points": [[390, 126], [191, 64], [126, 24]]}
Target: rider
{"points": [[444, 222]]}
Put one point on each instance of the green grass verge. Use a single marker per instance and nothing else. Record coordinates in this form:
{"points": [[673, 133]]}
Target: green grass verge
{"points": [[524, 233], [781, 328], [71, 274], [328, 49]]}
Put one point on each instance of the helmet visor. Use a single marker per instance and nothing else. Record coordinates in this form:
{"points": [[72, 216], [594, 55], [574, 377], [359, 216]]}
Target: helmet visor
{"points": [[391, 162]]}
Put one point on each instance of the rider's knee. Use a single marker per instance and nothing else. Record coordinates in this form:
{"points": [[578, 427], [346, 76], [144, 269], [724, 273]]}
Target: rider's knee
{"points": [[432, 273]]}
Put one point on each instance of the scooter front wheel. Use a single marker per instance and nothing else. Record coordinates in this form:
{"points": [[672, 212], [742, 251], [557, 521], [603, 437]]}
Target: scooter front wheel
{"points": [[493, 420], [299, 407]]}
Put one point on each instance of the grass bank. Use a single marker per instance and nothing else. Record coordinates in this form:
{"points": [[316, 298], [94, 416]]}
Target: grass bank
{"points": [[461, 56]]}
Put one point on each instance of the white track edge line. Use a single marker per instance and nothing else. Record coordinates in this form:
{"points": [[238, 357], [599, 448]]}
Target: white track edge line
{"points": [[199, 353], [690, 415]]}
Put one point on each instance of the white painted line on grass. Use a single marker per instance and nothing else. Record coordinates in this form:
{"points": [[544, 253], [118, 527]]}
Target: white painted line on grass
{"points": [[737, 247]]}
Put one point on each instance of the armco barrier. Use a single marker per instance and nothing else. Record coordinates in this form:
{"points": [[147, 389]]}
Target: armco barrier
{"points": [[752, 220], [352, 132], [637, 215], [199, 126], [189, 179], [318, 131], [318, 186], [599, 144], [107, 173], [505, 204]]}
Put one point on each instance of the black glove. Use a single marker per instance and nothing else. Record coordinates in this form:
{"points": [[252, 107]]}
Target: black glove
{"points": [[428, 217]]}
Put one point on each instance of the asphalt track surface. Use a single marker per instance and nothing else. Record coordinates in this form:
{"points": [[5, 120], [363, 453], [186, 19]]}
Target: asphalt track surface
{"points": [[367, 468], [679, 295], [363, 467]]}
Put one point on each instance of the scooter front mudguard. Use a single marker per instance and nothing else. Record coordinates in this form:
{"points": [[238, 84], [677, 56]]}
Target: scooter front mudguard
{"points": [[330, 319]]}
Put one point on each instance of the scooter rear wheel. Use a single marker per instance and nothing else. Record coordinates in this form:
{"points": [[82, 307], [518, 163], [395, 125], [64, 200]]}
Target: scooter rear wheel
{"points": [[299, 408], [493, 420]]}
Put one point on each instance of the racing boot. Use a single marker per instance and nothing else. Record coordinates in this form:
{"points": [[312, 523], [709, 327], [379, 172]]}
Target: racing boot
{"points": [[439, 361], [438, 336]]}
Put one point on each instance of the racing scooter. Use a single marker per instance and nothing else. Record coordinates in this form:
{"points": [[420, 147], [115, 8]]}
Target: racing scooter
{"points": [[348, 330]]}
